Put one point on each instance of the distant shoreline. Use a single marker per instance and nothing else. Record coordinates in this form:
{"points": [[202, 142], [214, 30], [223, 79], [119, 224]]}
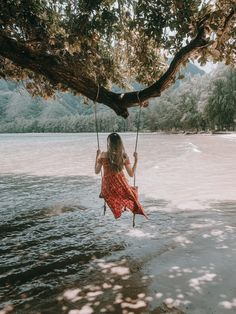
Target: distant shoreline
{"points": [[134, 132]]}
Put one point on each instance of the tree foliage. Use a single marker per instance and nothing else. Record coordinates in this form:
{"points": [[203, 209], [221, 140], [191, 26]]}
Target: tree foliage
{"points": [[221, 107], [87, 46]]}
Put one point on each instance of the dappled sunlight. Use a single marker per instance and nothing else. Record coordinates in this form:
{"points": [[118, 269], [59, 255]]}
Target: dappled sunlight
{"points": [[180, 287], [196, 283], [71, 294], [112, 280], [228, 304], [138, 233], [195, 265], [116, 278], [86, 309], [133, 304], [176, 302], [220, 235], [118, 287], [114, 268], [182, 240]]}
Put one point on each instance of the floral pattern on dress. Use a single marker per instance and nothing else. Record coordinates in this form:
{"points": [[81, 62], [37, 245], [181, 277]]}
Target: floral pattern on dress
{"points": [[117, 192]]}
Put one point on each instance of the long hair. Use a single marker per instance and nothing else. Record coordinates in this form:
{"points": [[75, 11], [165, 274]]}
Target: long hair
{"points": [[115, 152]]}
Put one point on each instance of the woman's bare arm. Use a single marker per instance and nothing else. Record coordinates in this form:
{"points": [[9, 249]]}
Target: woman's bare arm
{"points": [[131, 169], [98, 164]]}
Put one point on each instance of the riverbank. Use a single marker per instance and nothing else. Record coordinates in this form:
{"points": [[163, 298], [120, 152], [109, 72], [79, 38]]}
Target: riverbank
{"points": [[181, 132]]}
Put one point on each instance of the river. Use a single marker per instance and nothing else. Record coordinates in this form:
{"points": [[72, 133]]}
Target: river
{"points": [[60, 254]]}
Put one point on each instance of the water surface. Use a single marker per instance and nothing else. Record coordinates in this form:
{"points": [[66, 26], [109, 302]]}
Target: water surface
{"points": [[55, 239]]}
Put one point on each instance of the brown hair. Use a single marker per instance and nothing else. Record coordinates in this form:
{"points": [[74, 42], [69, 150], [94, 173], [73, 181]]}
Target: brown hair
{"points": [[115, 152]]}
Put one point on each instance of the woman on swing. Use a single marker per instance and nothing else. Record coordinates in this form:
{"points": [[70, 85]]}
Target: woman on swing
{"points": [[116, 191]]}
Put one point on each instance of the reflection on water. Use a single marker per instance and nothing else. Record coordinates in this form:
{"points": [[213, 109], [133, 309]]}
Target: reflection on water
{"points": [[59, 254]]}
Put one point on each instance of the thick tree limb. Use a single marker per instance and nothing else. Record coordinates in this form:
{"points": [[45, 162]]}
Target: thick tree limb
{"points": [[58, 71], [53, 68]]}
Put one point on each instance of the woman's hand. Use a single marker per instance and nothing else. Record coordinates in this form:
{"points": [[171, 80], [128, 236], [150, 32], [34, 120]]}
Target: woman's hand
{"points": [[98, 153]]}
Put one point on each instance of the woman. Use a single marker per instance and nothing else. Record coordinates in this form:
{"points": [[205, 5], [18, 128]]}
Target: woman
{"points": [[116, 191]]}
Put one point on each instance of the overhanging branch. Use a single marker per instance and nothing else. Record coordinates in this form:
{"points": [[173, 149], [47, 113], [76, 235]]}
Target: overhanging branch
{"points": [[57, 71]]}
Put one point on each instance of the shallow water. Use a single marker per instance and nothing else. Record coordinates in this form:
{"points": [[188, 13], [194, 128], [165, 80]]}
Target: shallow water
{"points": [[53, 232]]}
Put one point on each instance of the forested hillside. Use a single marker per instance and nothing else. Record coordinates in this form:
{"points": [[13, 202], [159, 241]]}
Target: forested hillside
{"points": [[199, 102]]}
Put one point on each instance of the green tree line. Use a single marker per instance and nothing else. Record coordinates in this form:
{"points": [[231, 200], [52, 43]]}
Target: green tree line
{"points": [[200, 103]]}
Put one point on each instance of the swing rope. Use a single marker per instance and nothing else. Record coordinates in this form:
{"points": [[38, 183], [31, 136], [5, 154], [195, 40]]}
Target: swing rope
{"points": [[137, 132], [136, 143], [96, 117], [98, 142]]}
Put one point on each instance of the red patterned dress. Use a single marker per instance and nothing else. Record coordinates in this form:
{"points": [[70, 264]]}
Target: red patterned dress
{"points": [[117, 192]]}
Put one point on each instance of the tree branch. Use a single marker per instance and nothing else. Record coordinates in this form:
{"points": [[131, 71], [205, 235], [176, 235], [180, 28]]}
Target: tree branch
{"points": [[228, 19], [57, 71]]}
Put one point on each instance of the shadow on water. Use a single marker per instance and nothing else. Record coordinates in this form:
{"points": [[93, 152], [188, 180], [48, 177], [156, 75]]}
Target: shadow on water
{"points": [[59, 254]]}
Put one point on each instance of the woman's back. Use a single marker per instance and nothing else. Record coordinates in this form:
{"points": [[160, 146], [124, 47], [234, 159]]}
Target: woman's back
{"points": [[107, 166]]}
